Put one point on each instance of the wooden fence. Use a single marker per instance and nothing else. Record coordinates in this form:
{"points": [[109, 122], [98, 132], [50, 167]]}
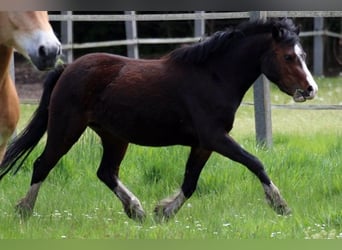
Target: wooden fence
{"points": [[132, 40], [262, 105]]}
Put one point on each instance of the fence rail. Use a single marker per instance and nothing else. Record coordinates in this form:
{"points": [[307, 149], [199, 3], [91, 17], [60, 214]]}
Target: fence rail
{"points": [[182, 16], [301, 107], [151, 17], [190, 16], [130, 42], [251, 104]]}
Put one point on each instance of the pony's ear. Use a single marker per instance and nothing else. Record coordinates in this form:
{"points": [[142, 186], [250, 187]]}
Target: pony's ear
{"points": [[297, 30]]}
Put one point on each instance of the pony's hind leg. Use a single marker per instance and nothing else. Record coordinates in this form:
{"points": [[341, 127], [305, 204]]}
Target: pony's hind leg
{"points": [[26, 204], [113, 152], [61, 137], [41, 168], [170, 206]]}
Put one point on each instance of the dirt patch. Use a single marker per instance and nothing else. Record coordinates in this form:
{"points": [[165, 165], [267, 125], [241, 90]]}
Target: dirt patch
{"points": [[28, 80]]}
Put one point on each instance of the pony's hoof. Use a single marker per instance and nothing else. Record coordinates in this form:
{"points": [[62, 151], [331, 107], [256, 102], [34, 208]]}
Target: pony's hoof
{"points": [[282, 210], [135, 212], [163, 213], [168, 207], [23, 209], [274, 199], [280, 207], [160, 215]]}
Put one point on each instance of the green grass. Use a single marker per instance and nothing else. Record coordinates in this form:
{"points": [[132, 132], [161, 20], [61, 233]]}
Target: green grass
{"points": [[304, 162]]}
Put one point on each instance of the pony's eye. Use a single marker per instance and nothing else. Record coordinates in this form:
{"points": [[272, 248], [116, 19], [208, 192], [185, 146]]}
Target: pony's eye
{"points": [[304, 56], [288, 58]]}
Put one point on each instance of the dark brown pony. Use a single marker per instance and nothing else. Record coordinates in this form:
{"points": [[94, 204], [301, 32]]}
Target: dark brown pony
{"points": [[189, 97]]}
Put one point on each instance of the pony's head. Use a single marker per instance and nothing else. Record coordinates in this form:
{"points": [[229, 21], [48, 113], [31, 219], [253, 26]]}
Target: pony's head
{"points": [[284, 63], [31, 34]]}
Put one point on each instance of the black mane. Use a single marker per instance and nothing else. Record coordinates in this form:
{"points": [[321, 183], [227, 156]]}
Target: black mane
{"points": [[221, 40]]}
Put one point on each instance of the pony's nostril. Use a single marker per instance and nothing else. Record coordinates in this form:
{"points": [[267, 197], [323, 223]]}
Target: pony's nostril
{"points": [[42, 51], [46, 52], [310, 89]]}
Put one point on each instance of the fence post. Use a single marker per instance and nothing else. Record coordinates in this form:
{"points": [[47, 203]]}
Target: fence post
{"points": [[131, 34], [67, 35], [262, 101], [199, 25], [318, 51], [12, 75], [12, 68]]}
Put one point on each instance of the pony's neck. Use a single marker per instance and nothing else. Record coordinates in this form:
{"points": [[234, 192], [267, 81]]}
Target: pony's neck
{"points": [[238, 68], [246, 60], [5, 59]]}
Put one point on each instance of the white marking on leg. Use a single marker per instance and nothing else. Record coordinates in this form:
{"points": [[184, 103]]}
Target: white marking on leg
{"points": [[299, 52], [170, 206], [271, 190], [130, 202], [26, 205]]}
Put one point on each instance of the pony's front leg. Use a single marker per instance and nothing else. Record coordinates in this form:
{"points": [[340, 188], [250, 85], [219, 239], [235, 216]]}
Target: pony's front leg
{"points": [[170, 206], [130, 202], [275, 200], [226, 146], [114, 150]]}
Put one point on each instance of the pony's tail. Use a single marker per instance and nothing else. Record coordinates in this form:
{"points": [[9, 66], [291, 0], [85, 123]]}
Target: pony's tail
{"points": [[22, 145]]}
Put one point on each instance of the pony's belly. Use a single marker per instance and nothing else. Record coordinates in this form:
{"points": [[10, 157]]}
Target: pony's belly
{"points": [[152, 134], [146, 126], [159, 136], [158, 140]]}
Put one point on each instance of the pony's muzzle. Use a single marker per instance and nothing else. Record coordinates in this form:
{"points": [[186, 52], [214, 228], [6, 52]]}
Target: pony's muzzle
{"points": [[303, 95], [46, 56]]}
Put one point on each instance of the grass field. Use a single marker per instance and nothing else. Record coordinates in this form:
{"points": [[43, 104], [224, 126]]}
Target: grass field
{"points": [[304, 162]]}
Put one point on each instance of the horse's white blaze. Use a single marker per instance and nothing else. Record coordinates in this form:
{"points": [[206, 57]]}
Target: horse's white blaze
{"points": [[299, 52], [28, 44]]}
